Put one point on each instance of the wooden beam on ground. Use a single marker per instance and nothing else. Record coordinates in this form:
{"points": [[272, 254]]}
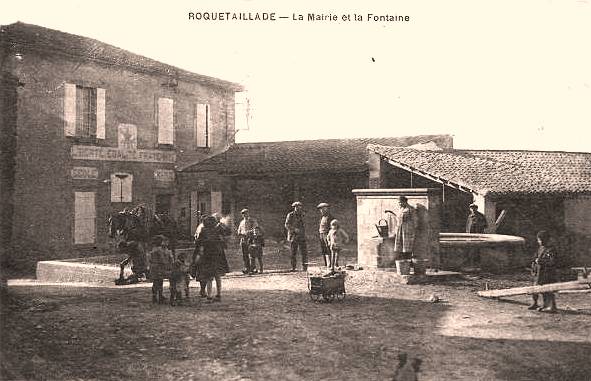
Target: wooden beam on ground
{"points": [[583, 291], [580, 284]]}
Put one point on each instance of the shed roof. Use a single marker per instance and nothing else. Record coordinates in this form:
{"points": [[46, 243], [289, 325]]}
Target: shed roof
{"points": [[21, 37], [325, 155], [498, 172]]}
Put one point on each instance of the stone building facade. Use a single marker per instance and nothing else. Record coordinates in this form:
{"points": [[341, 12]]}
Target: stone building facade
{"points": [[88, 129]]}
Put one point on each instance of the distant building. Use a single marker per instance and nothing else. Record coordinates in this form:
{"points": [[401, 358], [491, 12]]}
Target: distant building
{"points": [[519, 192], [88, 129], [268, 177]]}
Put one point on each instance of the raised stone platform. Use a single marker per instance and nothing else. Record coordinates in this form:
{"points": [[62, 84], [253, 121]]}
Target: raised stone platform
{"points": [[62, 271]]}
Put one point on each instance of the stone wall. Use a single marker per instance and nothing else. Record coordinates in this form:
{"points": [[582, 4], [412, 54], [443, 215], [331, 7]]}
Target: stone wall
{"points": [[371, 206], [42, 226]]}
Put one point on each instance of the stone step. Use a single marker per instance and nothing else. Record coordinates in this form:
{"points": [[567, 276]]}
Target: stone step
{"points": [[62, 271]]}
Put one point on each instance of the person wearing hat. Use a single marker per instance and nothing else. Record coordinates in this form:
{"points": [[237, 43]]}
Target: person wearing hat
{"points": [[323, 229], [245, 228], [296, 235], [476, 222]]}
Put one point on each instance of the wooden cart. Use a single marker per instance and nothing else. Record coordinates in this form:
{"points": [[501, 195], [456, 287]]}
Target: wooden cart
{"points": [[327, 287]]}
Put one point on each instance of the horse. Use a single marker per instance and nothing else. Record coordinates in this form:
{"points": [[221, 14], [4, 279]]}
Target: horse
{"points": [[130, 230]]}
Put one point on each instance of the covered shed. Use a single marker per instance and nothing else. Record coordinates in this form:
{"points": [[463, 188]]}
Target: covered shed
{"points": [[519, 192]]}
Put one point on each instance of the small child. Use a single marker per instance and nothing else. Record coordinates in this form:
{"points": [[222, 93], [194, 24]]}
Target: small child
{"points": [[179, 278], [160, 266], [256, 242], [544, 272], [336, 238]]}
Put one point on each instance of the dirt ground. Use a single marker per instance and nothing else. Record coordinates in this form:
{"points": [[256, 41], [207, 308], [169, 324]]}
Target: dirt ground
{"points": [[266, 328]]}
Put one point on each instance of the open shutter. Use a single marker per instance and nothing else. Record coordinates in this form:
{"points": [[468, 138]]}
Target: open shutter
{"points": [[69, 109], [100, 113], [201, 125], [165, 121]]}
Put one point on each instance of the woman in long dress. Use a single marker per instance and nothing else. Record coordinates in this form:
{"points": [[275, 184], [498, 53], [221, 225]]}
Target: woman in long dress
{"points": [[407, 222], [209, 256]]}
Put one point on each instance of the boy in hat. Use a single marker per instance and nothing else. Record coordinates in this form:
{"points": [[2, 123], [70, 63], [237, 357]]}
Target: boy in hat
{"points": [[247, 224], [323, 229]]}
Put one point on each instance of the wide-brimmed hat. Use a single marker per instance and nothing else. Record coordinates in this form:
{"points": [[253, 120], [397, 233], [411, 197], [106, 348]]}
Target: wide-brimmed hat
{"points": [[297, 203], [244, 211], [322, 205], [473, 206]]}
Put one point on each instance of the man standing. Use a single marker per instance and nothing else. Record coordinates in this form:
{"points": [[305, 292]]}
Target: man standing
{"points": [[244, 229], [296, 235], [476, 222], [323, 229]]}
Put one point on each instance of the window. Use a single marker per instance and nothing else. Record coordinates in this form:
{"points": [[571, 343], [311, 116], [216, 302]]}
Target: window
{"points": [[202, 124], [165, 111], [121, 187], [84, 111], [84, 218]]}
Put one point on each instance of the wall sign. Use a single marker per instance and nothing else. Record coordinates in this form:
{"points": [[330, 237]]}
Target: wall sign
{"points": [[84, 173], [164, 175], [81, 152]]}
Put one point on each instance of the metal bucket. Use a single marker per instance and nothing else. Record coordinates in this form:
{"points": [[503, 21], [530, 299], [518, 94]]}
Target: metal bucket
{"points": [[403, 266]]}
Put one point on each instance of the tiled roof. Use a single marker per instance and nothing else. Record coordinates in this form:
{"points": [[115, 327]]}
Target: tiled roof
{"points": [[498, 172], [329, 155], [20, 37]]}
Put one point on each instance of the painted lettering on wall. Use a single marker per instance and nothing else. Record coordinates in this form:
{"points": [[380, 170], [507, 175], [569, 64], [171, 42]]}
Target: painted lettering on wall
{"points": [[84, 173], [81, 152]]}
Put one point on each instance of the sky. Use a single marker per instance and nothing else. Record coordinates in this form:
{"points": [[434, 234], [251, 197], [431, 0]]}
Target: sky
{"points": [[498, 74]]}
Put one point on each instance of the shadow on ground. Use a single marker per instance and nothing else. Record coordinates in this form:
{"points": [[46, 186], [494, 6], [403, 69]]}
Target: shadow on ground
{"points": [[270, 333]]}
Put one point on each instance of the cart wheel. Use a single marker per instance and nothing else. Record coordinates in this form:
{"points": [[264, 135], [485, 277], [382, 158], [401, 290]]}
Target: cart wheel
{"points": [[341, 296], [316, 297]]}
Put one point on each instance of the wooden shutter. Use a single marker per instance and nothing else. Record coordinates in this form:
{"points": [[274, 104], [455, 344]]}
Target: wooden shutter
{"points": [[216, 202], [100, 113], [121, 189], [165, 121], [202, 125], [69, 109], [84, 218]]}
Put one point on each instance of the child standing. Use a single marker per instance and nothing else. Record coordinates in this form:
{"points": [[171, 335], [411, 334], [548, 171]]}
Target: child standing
{"points": [[179, 278], [160, 266], [544, 272], [336, 238], [256, 242]]}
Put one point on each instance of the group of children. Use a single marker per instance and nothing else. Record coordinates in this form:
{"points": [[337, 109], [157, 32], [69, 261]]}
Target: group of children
{"points": [[166, 265]]}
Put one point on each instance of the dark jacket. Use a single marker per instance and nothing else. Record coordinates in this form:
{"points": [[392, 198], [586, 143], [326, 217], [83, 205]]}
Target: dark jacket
{"points": [[476, 223], [544, 266], [294, 223]]}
